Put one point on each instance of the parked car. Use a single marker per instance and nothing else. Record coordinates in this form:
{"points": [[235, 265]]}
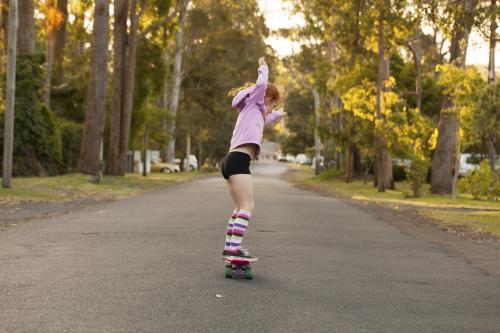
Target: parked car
{"points": [[281, 158], [402, 162], [321, 162], [302, 159], [290, 158], [468, 162], [159, 166], [193, 162]]}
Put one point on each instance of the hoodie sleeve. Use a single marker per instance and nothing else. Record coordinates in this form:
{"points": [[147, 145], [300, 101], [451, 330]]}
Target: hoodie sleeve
{"points": [[272, 118], [259, 91]]}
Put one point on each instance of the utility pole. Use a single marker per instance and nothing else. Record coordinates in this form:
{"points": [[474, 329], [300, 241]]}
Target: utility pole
{"points": [[317, 141], [10, 95]]}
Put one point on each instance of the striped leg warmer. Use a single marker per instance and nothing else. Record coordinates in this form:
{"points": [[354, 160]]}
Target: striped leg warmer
{"points": [[239, 227], [229, 231]]}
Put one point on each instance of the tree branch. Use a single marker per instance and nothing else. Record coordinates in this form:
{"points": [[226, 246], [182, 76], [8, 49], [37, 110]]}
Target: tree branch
{"points": [[159, 23]]}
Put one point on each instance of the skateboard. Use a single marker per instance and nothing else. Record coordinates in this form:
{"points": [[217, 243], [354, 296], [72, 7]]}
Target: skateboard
{"points": [[238, 268]]}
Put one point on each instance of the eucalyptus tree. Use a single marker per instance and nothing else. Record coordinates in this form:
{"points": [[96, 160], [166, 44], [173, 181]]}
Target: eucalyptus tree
{"points": [[90, 160], [455, 19], [126, 19]]}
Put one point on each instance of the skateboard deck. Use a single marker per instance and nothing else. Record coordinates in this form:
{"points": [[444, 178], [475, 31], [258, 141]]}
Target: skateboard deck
{"points": [[239, 268]]}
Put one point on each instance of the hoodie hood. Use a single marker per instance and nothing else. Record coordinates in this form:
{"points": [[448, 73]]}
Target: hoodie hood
{"points": [[241, 96]]}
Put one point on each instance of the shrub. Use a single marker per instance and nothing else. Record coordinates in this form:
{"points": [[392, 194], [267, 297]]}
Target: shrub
{"points": [[417, 174], [37, 141], [398, 173], [481, 183], [71, 139]]}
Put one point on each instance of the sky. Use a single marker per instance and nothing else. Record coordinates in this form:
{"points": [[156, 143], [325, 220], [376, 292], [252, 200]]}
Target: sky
{"points": [[277, 14]]}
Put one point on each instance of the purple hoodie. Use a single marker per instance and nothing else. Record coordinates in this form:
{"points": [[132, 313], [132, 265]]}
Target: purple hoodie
{"points": [[250, 103]]}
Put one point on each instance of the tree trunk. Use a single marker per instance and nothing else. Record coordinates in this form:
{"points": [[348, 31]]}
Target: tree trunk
{"points": [[456, 160], [128, 93], [443, 164], [176, 86], [59, 43], [10, 95], [90, 161], [383, 158], [490, 148], [416, 50], [26, 30], [145, 148], [491, 138], [114, 165], [188, 150], [123, 85], [48, 74], [200, 155], [164, 104], [349, 162], [4, 31], [317, 141]]}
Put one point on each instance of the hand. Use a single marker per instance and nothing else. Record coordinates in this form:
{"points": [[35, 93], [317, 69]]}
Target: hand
{"points": [[280, 112], [262, 61]]}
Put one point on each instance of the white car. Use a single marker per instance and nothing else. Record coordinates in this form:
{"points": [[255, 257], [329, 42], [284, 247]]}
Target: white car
{"points": [[193, 162], [321, 162], [290, 158], [468, 162], [302, 159], [281, 158]]}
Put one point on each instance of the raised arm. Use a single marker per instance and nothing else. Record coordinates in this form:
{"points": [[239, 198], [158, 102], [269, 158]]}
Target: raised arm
{"points": [[258, 93]]}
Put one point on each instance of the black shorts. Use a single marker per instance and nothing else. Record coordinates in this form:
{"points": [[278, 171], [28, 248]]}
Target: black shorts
{"points": [[235, 163]]}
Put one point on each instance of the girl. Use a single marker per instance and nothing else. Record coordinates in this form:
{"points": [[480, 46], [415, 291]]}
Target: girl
{"points": [[255, 105]]}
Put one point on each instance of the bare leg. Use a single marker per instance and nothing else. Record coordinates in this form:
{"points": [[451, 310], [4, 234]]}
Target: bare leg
{"points": [[230, 187], [242, 186], [243, 189]]}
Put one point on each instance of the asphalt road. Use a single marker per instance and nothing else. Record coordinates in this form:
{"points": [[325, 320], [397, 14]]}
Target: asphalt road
{"points": [[152, 264]]}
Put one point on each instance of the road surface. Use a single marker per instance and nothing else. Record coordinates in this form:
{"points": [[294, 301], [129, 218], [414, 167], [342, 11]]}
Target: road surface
{"points": [[152, 264]]}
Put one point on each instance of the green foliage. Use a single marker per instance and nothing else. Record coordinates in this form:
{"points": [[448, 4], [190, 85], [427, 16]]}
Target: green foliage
{"points": [[481, 183], [399, 173], [418, 174], [71, 139], [300, 122], [37, 141], [68, 100], [224, 40], [484, 121]]}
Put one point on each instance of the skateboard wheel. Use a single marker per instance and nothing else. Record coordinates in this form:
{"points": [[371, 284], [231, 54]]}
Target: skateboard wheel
{"points": [[248, 274], [228, 272]]}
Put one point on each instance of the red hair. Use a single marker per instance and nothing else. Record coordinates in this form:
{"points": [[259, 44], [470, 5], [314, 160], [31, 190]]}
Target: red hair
{"points": [[272, 91]]}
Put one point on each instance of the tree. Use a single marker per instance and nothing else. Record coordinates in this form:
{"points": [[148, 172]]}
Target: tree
{"points": [[53, 20], [10, 95], [123, 80], [383, 159], [177, 78], [90, 152], [460, 19], [60, 42], [26, 30]]}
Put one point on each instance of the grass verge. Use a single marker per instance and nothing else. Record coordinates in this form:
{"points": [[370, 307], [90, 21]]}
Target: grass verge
{"points": [[77, 186], [465, 212]]}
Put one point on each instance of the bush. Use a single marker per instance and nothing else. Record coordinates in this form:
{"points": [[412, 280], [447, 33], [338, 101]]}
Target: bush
{"points": [[37, 141], [417, 174], [481, 183], [398, 173], [71, 139]]}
